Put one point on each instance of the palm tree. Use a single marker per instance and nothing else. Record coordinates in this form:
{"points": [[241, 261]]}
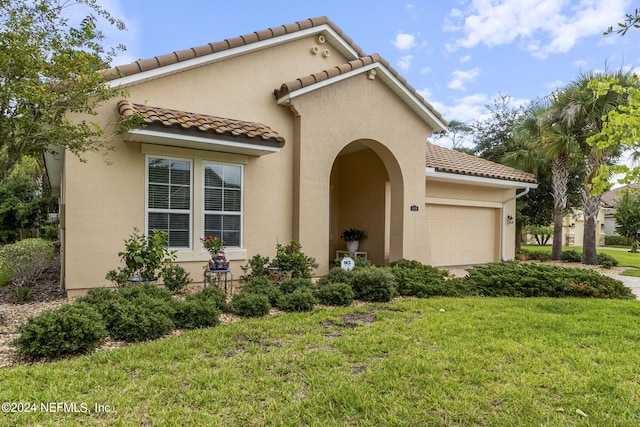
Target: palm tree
{"points": [[547, 143], [580, 113]]}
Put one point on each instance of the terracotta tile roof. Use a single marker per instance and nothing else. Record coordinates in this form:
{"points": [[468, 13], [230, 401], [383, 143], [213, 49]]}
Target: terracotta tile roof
{"points": [[200, 122], [208, 49], [451, 161], [303, 82]]}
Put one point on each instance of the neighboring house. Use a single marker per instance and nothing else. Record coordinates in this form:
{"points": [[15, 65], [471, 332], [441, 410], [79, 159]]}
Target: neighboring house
{"points": [[287, 133], [609, 201], [573, 228]]}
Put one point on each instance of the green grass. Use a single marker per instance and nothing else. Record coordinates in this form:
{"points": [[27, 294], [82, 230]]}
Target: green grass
{"points": [[440, 361], [625, 258], [634, 272]]}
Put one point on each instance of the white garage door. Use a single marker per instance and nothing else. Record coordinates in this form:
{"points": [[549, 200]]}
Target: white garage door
{"points": [[463, 235]]}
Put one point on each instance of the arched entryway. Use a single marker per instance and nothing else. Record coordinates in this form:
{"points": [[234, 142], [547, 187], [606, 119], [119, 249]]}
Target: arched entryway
{"points": [[366, 193]]}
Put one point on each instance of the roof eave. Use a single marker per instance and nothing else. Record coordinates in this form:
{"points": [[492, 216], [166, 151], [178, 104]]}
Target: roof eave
{"points": [[325, 29], [435, 175], [234, 145], [389, 79]]}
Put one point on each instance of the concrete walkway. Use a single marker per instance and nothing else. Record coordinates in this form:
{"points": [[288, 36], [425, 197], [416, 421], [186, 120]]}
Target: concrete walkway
{"points": [[629, 282]]}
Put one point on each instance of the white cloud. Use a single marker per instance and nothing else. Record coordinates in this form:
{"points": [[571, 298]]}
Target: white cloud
{"points": [[460, 78], [425, 70], [405, 62], [404, 41], [464, 59], [544, 27], [465, 109], [425, 93], [580, 63], [555, 85]]}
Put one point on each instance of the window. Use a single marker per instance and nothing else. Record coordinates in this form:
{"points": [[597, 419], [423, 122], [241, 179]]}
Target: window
{"points": [[223, 202], [169, 199]]}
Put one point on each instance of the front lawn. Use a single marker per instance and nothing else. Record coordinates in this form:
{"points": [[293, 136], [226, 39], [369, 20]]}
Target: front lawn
{"points": [[437, 361], [625, 258]]}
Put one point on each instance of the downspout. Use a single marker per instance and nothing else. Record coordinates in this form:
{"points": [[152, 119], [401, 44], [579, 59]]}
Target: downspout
{"points": [[504, 220]]}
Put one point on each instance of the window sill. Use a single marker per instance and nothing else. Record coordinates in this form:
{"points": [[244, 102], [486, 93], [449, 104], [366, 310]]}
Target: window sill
{"points": [[237, 254]]}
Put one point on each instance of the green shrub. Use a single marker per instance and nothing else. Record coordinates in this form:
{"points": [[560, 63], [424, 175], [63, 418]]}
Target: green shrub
{"points": [[135, 313], [256, 267], [247, 304], [197, 313], [21, 294], [336, 275], [290, 285], [211, 293], [301, 299], [175, 277], [373, 284], [514, 279], [540, 256], [335, 294], [571, 256], [145, 290], [614, 240], [263, 286], [291, 258], [607, 261], [25, 261], [145, 318], [417, 265], [71, 329], [416, 279]]}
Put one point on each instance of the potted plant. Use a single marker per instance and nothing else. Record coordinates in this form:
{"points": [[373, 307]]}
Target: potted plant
{"points": [[145, 258], [353, 236], [215, 246]]}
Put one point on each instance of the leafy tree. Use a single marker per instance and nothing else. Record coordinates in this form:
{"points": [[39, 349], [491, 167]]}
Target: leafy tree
{"points": [[49, 69], [630, 21], [24, 201], [628, 214], [456, 132], [494, 135]]}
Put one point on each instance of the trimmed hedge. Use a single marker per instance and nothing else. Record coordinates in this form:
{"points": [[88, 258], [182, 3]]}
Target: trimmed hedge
{"points": [[71, 329], [373, 284], [301, 299], [247, 304], [335, 294], [263, 286], [515, 279], [211, 293], [197, 313]]}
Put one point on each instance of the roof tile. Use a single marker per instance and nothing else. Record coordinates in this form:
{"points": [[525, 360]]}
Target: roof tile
{"points": [[155, 116], [451, 161], [184, 55]]}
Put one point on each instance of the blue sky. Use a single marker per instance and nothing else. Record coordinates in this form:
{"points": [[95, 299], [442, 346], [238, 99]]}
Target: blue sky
{"points": [[458, 54]]}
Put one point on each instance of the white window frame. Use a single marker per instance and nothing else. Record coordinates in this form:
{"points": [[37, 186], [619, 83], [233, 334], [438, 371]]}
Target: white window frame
{"points": [[240, 214], [148, 210]]}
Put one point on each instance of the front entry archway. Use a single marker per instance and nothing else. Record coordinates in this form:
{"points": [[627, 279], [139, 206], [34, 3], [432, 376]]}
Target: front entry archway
{"points": [[365, 186]]}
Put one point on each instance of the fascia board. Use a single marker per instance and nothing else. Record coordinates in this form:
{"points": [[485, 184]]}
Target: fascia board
{"points": [[476, 180]]}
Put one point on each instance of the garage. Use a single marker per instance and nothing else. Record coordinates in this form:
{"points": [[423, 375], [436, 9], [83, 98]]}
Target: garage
{"points": [[463, 235]]}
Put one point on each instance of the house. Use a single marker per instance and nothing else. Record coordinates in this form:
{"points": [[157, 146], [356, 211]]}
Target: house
{"points": [[288, 133], [609, 201], [573, 228]]}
